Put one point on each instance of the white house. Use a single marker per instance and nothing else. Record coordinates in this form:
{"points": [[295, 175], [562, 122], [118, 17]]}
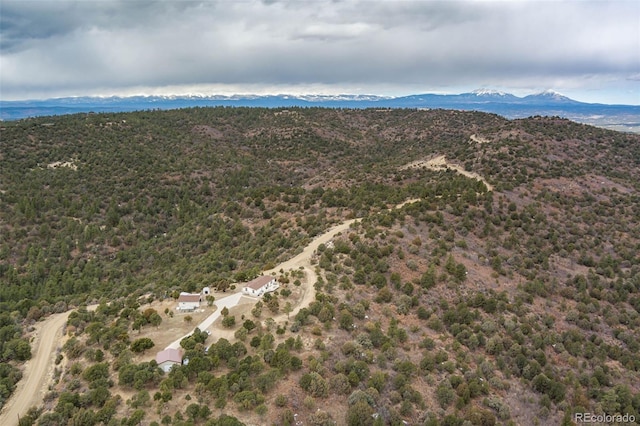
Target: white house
{"points": [[188, 302], [167, 358], [259, 286]]}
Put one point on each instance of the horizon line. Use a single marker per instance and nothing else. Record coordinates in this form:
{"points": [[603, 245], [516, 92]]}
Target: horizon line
{"points": [[302, 96]]}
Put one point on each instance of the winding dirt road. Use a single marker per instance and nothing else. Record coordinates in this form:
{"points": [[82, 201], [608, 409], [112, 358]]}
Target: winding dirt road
{"points": [[303, 261], [38, 371], [440, 163]]}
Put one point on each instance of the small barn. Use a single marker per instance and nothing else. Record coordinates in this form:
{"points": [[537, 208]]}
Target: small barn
{"points": [[259, 286], [169, 357], [188, 302]]}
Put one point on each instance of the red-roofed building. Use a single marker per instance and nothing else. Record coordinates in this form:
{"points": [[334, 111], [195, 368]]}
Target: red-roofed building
{"points": [[188, 302], [169, 357], [259, 286]]}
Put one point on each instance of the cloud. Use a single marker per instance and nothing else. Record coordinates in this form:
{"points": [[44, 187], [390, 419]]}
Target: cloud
{"points": [[53, 47]]}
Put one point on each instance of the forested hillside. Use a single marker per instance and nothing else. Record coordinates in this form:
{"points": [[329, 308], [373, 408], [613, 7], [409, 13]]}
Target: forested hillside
{"points": [[508, 298]]}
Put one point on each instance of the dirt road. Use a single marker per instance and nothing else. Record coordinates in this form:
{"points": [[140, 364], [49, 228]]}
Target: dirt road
{"points": [[38, 370], [440, 163], [479, 140], [303, 260]]}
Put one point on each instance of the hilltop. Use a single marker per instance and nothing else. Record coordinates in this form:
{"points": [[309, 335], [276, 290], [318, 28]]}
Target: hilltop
{"points": [[492, 275]]}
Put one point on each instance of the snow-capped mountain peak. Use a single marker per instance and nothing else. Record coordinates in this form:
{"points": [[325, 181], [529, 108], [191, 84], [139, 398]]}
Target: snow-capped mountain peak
{"points": [[488, 92], [549, 96], [552, 94]]}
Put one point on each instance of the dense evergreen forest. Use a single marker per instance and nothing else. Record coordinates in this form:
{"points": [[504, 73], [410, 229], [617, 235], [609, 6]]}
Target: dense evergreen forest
{"points": [[507, 301]]}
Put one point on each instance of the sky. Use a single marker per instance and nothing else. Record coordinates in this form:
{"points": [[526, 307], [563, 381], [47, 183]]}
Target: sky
{"points": [[587, 50]]}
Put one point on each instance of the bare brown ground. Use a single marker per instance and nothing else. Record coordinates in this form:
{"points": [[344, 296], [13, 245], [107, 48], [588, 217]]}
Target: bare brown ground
{"points": [[170, 328]]}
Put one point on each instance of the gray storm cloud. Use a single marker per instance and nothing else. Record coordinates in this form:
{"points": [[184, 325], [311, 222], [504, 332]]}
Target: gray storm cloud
{"points": [[54, 48]]}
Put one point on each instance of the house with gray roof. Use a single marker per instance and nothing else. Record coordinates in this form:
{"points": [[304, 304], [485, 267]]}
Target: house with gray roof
{"points": [[259, 286]]}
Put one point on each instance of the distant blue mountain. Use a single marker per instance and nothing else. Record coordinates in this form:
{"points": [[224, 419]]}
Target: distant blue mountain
{"points": [[620, 117]]}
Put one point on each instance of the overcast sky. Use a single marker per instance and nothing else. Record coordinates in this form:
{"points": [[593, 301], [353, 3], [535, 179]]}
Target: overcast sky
{"points": [[588, 50]]}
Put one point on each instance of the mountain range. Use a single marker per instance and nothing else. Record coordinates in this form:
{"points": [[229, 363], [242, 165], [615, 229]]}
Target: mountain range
{"points": [[548, 103]]}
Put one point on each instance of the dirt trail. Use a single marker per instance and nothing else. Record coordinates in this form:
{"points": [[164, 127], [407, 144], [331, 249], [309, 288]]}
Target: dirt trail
{"points": [[38, 371], [440, 163], [303, 261], [479, 140]]}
